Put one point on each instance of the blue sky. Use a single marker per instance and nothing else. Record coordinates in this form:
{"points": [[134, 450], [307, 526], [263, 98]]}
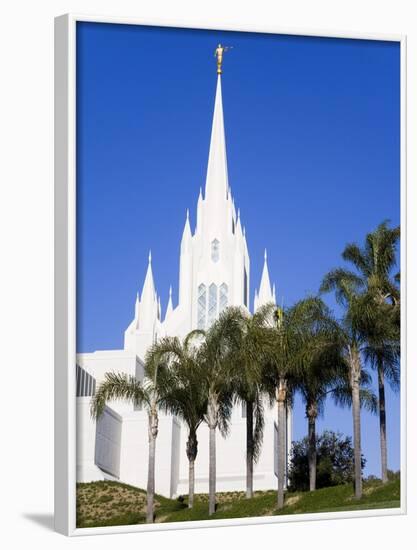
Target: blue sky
{"points": [[313, 143]]}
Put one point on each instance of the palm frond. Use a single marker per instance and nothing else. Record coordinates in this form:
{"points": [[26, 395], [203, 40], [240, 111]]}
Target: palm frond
{"points": [[352, 253], [117, 386], [258, 432], [344, 283]]}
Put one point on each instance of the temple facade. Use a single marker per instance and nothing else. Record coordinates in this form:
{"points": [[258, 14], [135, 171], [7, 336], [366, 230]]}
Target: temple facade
{"points": [[214, 273]]}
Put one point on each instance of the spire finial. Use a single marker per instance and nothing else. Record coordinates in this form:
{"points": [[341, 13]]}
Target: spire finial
{"points": [[188, 214], [220, 50], [170, 291], [150, 256], [265, 255]]}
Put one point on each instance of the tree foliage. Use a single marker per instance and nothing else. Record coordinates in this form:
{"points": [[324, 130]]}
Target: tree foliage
{"points": [[335, 462]]}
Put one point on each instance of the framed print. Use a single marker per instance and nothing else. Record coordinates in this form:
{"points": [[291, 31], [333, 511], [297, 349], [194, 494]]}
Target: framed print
{"points": [[229, 275]]}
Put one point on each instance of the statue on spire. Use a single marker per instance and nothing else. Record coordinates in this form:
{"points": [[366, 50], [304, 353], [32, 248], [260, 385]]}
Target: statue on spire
{"points": [[220, 50]]}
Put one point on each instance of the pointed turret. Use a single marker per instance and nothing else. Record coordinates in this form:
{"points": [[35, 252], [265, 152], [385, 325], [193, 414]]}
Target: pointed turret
{"points": [[238, 229], [136, 320], [169, 306], [265, 294], [148, 300], [148, 290], [186, 234], [186, 264], [199, 220], [255, 300]]}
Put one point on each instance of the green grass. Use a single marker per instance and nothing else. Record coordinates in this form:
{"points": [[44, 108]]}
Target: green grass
{"points": [[105, 503]]}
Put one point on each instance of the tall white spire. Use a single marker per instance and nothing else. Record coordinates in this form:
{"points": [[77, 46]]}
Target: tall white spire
{"points": [[217, 183], [265, 294]]}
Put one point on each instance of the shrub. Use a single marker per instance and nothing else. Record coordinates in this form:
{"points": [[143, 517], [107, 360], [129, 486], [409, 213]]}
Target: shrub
{"points": [[393, 475], [335, 464]]}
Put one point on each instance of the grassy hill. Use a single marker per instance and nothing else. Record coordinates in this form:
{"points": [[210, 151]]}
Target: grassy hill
{"points": [[105, 503]]}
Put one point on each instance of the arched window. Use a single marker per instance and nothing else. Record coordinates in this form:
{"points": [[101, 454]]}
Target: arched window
{"points": [[201, 307], [215, 250], [212, 304], [223, 297]]}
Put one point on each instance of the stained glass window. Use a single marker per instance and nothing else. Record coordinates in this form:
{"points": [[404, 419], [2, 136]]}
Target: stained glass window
{"points": [[212, 303], [215, 250], [201, 307], [223, 297], [245, 287]]}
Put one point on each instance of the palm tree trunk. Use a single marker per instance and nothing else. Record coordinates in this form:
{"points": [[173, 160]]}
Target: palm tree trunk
{"points": [[212, 470], [356, 412], [191, 483], [382, 422], [312, 447], [212, 421], [191, 448], [282, 424], [150, 493], [249, 449]]}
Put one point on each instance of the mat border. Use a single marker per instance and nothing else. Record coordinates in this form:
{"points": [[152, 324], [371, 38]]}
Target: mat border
{"points": [[65, 275]]}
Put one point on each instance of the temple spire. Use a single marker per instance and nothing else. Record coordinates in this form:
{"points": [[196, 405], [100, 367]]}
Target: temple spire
{"points": [[217, 179]]}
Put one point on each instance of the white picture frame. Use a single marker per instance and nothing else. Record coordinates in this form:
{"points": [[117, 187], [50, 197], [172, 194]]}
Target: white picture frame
{"points": [[65, 278]]}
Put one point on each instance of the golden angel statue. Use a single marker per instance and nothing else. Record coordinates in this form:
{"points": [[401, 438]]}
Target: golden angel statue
{"points": [[220, 50]]}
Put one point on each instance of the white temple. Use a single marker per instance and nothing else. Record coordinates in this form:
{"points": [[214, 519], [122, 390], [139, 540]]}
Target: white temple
{"points": [[214, 273]]}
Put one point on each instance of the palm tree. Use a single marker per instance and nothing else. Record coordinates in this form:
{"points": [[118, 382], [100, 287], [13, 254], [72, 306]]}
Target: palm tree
{"points": [[282, 353], [186, 399], [353, 342], [216, 358], [148, 393], [323, 371], [319, 371], [374, 263], [383, 353], [248, 384]]}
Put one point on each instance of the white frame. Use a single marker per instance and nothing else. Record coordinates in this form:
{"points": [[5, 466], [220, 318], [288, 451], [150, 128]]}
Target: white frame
{"points": [[65, 277]]}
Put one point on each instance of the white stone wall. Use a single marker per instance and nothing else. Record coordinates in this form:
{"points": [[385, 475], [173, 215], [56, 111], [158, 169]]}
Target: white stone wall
{"points": [[85, 443], [108, 442]]}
